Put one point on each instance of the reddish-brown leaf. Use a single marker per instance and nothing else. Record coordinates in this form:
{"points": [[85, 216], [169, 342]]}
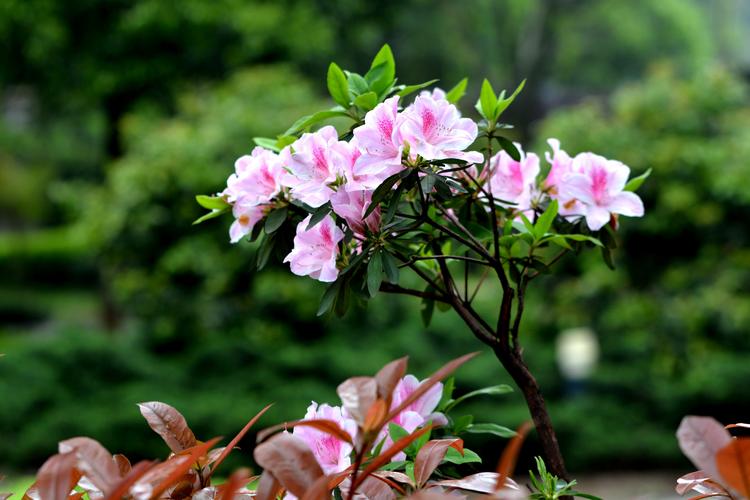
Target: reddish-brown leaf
{"points": [[395, 476], [510, 455], [168, 423], [268, 487], [481, 482], [77, 496], [177, 466], [700, 438], [290, 460], [228, 448], [733, 462], [386, 479], [324, 425], [136, 472], [737, 425], [386, 455], [319, 490], [5, 496], [237, 480], [389, 375], [699, 482], [357, 396], [122, 463], [375, 417], [425, 386], [57, 476], [430, 495], [372, 488], [430, 456], [94, 461]]}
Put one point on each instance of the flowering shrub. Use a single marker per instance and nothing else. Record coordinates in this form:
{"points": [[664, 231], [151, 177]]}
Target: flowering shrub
{"points": [[401, 188]]}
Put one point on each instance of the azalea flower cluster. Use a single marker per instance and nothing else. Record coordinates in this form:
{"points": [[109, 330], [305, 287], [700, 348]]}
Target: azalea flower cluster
{"points": [[319, 168], [334, 455]]}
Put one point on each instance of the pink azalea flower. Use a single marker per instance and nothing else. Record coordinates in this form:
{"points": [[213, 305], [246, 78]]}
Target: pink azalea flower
{"points": [[313, 163], [598, 183], [561, 168], [435, 130], [415, 414], [514, 182], [379, 140], [436, 94], [332, 454], [257, 178], [246, 215], [351, 205], [315, 250]]}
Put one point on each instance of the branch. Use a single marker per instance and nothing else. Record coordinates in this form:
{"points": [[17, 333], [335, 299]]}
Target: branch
{"points": [[448, 257], [554, 260]]}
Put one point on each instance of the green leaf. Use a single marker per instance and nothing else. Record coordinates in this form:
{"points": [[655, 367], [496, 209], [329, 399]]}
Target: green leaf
{"points": [[283, 141], [410, 89], [427, 309], [583, 237], [509, 147], [390, 266], [462, 423], [527, 223], [487, 101], [607, 256], [266, 142], [357, 84], [634, 183], [409, 471], [374, 273], [380, 192], [454, 457], [329, 297], [559, 240], [396, 431], [503, 104], [264, 250], [342, 300], [382, 70], [486, 391], [307, 121], [544, 222], [275, 219], [366, 101], [211, 202], [211, 215], [318, 215], [448, 386], [457, 92], [497, 430], [338, 86]]}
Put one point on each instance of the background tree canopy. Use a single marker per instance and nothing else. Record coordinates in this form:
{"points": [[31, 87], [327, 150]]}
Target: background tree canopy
{"points": [[115, 114]]}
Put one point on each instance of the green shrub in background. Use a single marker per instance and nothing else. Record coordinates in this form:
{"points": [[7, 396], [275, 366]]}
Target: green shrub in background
{"points": [[673, 319]]}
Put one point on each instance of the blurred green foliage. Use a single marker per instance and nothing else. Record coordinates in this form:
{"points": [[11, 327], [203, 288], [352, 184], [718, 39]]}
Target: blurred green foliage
{"points": [[113, 115]]}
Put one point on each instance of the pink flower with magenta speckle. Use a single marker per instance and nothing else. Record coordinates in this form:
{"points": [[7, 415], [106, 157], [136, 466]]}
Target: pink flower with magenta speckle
{"points": [[514, 182], [598, 184], [315, 250], [351, 205], [561, 168], [332, 454], [380, 143], [435, 130], [245, 217], [313, 163], [257, 178]]}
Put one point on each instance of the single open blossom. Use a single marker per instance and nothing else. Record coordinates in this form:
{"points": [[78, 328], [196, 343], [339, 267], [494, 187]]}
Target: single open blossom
{"points": [[381, 145], [332, 454], [513, 183], [598, 184], [561, 168], [351, 205], [417, 413], [316, 249], [246, 215], [257, 178], [435, 130], [436, 94], [313, 163]]}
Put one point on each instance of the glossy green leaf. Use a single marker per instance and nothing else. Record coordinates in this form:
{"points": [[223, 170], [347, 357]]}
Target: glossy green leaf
{"points": [[494, 429], [634, 183], [503, 104], [307, 121], [338, 86], [212, 202], [319, 214], [390, 266], [266, 142], [366, 101], [211, 215], [329, 297], [381, 191], [486, 391], [487, 101], [509, 147], [410, 89], [457, 92], [275, 219], [454, 457], [382, 70], [544, 222], [357, 84], [374, 274]]}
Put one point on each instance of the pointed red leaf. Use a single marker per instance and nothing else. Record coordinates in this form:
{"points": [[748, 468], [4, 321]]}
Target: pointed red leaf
{"points": [[430, 456], [94, 461], [290, 460], [425, 386], [123, 464], [700, 438], [357, 396], [168, 423], [699, 482], [268, 487], [330, 427], [176, 467], [58, 476], [237, 480], [385, 456], [733, 462], [228, 448], [510, 455], [136, 472], [481, 482], [389, 375]]}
